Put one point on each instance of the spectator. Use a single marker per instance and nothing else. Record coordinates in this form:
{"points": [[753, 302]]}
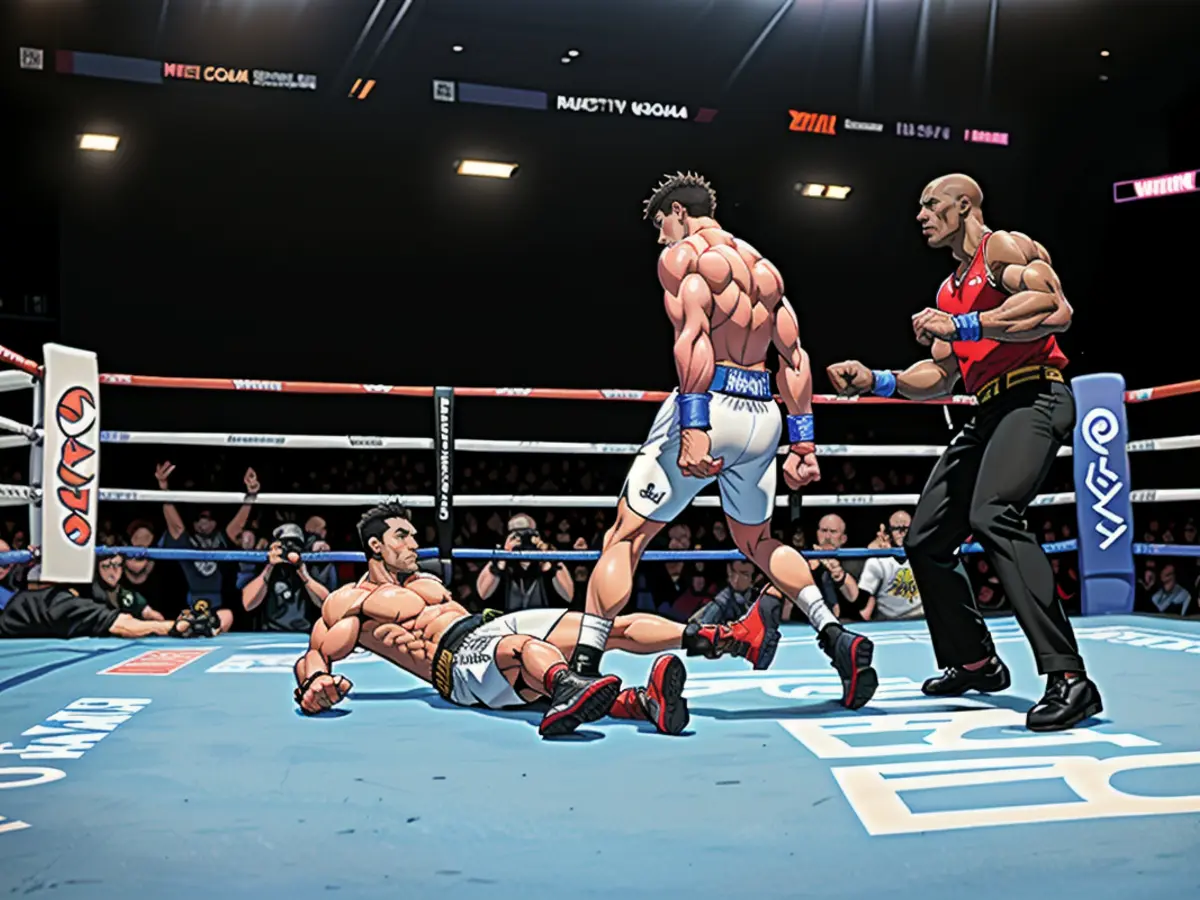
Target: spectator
{"points": [[1145, 588], [107, 589], [525, 585], [1171, 594], [37, 610], [204, 575], [734, 599], [837, 580], [316, 534], [887, 589], [293, 597], [246, 571], [664, 584], [141, 575], [696, 595]]}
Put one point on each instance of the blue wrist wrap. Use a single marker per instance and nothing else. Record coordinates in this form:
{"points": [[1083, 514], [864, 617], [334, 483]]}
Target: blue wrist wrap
{"points": [[885, 383], [968, 326], [800, 429], [693, 411]]}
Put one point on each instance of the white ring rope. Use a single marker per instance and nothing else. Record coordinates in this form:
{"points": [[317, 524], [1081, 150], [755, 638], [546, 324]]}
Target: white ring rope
{"points": [[18, 494], [473, 445], [286, 441], [30, 433], [16, 380], [9, 441]]}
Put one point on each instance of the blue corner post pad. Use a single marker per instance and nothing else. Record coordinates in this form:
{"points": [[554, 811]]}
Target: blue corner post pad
{"points": [[1103, 506]]}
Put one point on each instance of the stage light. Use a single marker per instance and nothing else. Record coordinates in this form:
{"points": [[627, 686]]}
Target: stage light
{"points": [[565, 60], [1104, 78], [483, 169], [457, 48], [572, 53], [823, 191], [105, 143], [1104, 53]]}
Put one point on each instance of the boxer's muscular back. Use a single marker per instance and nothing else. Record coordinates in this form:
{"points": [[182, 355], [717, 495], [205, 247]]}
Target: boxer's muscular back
{"points": [[746, 289]]}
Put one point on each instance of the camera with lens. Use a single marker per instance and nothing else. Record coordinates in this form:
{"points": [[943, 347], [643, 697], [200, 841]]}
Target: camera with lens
{"points": [[291, 540], [525, 538]]}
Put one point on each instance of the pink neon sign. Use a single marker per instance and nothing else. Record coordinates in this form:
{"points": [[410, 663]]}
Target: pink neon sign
{"points": [[974, 135], [1161, 186]]}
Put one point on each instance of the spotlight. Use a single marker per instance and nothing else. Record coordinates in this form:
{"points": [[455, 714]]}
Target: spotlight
{"points": [[824, 191], [1104, 53], [565, 60], [457, 48], [105, 143], [1104, 78], [484, 169], [572, 53]]}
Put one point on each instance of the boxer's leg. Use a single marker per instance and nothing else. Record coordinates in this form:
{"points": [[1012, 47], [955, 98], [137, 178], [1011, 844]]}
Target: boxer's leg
{"points": [[529, 663], [654, 494]]}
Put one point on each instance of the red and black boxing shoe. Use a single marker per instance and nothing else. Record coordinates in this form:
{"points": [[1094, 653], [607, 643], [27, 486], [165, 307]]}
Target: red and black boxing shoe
{"points": [[661, 701], [755, 636], [851, 654], [577, 699]]}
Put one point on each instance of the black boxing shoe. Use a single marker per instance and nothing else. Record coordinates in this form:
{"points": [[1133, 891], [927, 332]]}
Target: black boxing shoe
{"points": [[578, 699], [851, 654], [956, 681], [1069, 699]]}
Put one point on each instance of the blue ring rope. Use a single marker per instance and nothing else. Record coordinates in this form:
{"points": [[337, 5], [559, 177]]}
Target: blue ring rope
{"points": [[258, 556]]}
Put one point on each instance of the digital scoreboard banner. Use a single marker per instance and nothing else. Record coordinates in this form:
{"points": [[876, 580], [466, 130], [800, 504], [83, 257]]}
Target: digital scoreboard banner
{"points": [[153, 71]]}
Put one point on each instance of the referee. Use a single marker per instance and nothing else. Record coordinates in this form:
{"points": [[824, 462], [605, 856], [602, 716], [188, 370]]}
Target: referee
{"points": [[994, 328]]}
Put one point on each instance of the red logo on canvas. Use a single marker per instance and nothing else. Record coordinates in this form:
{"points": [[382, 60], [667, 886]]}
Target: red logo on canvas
{"points": [[77, 422], [156, 662]]}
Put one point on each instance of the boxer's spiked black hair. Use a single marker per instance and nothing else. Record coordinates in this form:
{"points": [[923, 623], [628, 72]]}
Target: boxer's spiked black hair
{"points": [[373, 524], [689, 190]]}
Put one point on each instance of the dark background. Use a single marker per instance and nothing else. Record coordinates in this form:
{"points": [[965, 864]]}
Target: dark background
{"points": [[306, 235]]}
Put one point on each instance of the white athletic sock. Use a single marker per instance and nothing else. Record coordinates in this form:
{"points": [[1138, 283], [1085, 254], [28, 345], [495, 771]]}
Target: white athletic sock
{"points": [[812, 603], [593, 638]]}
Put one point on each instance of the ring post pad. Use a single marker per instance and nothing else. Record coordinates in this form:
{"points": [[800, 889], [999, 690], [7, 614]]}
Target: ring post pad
{"points": [[1103, 506]]}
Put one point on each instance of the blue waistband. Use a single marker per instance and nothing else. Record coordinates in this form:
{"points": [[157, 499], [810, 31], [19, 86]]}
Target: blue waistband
{"points": [[751, 383]]}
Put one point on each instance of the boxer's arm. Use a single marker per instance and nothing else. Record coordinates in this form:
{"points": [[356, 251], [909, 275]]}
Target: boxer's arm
{"points": [[1036, 307], [689, 303], [794, 378], [930, 378], [326, 645]]}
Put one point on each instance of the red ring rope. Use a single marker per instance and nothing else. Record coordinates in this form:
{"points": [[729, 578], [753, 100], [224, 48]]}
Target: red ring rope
{"points": [[1160, 392]]}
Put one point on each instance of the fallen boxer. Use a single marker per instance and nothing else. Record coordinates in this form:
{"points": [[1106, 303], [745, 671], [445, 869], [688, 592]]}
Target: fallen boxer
{"points": [[495, 660]]}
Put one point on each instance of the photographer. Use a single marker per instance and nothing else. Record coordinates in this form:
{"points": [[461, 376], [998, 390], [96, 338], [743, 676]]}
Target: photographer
{"points": [[293, 597], [525, 585]]}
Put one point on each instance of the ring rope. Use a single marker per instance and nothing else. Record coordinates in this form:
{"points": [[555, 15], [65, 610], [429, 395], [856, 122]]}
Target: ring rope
{"points": [[17, 494], [1142, 395], [471, 445], [16, 557], [10, 441], [28, 431], [14, 380]]}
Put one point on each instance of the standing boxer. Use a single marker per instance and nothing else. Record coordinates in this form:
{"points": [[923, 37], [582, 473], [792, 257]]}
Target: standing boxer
{"points": [[727, 305], [994, 328]]}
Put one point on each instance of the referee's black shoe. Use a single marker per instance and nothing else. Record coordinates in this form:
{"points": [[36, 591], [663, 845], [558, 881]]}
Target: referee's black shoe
{"points": [[1069, 699], [956, 681]]}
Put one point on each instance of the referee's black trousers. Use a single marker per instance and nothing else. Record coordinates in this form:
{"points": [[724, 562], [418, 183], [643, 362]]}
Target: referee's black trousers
{"points": [[982, 486]]}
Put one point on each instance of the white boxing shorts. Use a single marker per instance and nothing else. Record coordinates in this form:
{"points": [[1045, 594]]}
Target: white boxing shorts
{"points": [[476, 680], [745, 429]]}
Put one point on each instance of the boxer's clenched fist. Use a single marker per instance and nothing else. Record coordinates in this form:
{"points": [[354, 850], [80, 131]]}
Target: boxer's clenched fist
{"points": [[851, 378], [323, 692], [695, 454], [800, 470]]}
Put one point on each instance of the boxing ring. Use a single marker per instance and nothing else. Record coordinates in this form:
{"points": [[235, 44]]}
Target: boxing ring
{"points": [[184, 769]]}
